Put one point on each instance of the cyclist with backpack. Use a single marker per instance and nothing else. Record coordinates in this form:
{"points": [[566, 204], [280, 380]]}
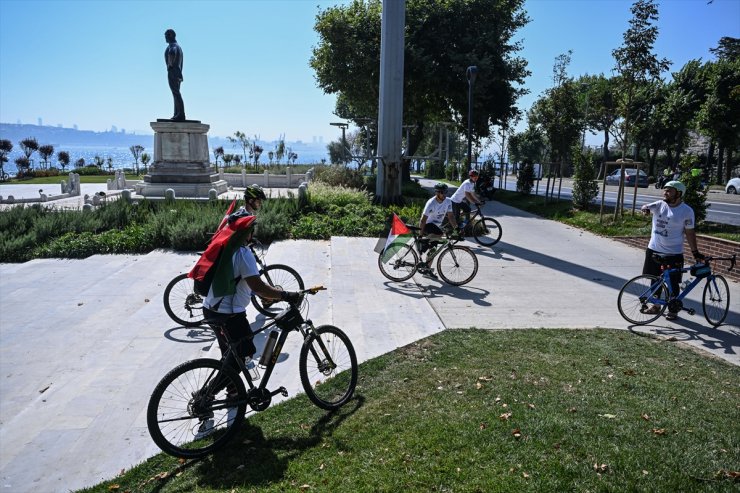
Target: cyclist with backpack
{"points": [[236, 276]]}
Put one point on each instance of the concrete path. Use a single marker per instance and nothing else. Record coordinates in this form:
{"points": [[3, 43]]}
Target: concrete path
{"points": [[83, 342]]}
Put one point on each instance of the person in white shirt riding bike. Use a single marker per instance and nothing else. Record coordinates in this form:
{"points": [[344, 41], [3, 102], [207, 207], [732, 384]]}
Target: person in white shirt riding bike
{"points": [[430, 224]]}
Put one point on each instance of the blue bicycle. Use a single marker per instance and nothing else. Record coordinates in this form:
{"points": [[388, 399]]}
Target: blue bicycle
{"points": [[644, 298]]}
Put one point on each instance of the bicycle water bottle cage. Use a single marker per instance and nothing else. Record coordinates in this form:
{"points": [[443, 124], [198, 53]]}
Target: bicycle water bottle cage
{"points": [[700, 270]]}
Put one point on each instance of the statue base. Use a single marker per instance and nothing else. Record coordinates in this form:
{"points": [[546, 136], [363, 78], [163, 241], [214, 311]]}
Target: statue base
{"points": [[181, 161]]}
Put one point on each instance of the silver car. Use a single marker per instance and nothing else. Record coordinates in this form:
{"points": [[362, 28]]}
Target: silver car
{"points": [[733, 186]]}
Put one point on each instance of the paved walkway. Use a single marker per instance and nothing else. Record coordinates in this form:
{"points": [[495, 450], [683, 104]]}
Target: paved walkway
{"points": [[83, 342]]}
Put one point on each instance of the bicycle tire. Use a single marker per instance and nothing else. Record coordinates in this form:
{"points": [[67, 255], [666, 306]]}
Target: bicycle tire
{"points": [[181, 302], [328, 384], [396, 266], [487, 232], [281, 277], [717, 305], [176, 411], [457, 265], [633, 299]]}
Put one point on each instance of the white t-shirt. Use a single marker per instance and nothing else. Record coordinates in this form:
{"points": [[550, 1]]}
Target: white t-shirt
{"points": [[436, 211], [466, 186], [669, 224], [245, 266]]}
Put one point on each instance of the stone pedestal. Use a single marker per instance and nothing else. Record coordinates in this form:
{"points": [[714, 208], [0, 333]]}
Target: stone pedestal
{"points": [[181, 162]]}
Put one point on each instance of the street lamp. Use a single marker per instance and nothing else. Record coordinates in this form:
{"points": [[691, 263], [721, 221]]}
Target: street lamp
{"points": [[343, 126], [470, 73]]}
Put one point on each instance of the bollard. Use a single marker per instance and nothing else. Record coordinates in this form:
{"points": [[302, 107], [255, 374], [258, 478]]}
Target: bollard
{"points": [[303, 194], [212, 194], [126, 195], [87, 207], [169, 195]]}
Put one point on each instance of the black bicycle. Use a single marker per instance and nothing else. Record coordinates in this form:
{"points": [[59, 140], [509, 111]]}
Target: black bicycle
{"points": [[199, 405], [185, 306], [457, 265], [485, 231]]}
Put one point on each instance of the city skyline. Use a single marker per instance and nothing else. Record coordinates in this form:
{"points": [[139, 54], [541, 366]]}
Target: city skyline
{"points": [[246, 63]]}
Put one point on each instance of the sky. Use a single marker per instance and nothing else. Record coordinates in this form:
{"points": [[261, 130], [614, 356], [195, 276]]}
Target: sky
{"points": [[100, 63]]}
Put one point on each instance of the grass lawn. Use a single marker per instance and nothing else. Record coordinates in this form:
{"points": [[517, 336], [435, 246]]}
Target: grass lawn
{"points": [[491, 411]]}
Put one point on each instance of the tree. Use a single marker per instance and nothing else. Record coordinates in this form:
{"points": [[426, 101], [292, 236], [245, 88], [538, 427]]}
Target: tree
{"points": [[109, 162], [136, 151], [696, 194], [6, 147], [46, 151], [29, 146], [145, 158], [270, 156], [527, 146], [80, 163], [63, 159], [98, 161], [241, 139], [443, 38], [23, 164], [218, 152], [728, 48], [334, 148], [602, 109], [280, 148], [227, 160], [635, 63]]}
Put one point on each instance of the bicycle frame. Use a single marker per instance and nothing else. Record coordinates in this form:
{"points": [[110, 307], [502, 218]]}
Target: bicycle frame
{"points": [[665, 279]]}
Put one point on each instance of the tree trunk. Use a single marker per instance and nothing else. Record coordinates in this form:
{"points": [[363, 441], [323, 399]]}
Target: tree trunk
{"points": [[653, 158], [720, 158], [602, 172], [728, 166]]}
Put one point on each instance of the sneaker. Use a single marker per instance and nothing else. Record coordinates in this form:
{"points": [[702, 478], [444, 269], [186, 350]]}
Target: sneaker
{"points": [[653, 310], [206, 428], [671, 316]]}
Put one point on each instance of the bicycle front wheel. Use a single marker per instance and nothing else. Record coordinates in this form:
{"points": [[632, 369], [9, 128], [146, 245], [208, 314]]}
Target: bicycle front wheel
{"points": [[642, 299], [716, 300], [281, 277], [196, 408], [181, 302], [328, 367], [487, 232], [457, 265], [399, 263]]}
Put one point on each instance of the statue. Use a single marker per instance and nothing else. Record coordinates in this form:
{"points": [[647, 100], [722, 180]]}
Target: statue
{"points": [[173, 60]]}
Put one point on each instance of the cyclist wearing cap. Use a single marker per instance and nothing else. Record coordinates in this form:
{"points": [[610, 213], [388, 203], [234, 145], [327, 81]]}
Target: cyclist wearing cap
{"points": [[672, 219], [434, 213], [464, 195]]}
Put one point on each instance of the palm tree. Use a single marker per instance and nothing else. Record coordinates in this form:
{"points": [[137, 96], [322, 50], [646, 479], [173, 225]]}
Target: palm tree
{"points": [[109, 161], [218, 152], [63, 158], [136, 150], [23, 164], [46, 151], [6, 147], [98, 161], [80, 163], [145, 158]]}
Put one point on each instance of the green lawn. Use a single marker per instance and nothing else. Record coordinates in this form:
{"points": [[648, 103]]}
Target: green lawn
{"points": [[491, 411]]}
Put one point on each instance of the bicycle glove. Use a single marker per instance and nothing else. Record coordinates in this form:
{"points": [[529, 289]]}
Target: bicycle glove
{"points": [[291, 297], [697, 255]]}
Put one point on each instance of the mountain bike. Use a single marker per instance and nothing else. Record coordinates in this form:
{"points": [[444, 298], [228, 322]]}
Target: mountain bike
{"points": [[199, 405], [484, 230], [185, 306], [639, 297], [457, 265]]}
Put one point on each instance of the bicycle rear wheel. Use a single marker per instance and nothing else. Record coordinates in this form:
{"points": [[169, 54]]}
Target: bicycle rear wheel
{"points": [[398, 264], [190, 414], [716, 300], [181, 302], [457, 265], [639, 296], [487, 232], [281, 277], [328, 367]]}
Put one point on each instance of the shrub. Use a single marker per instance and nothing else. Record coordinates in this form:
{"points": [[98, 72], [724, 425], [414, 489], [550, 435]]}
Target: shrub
{"points": [[339, 176], [585, 188], [321, 195], [89, 170], [525, 178]]}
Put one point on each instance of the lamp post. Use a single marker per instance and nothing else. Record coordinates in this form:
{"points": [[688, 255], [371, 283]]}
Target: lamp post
{"points": [[470, 73], [343, 126]]}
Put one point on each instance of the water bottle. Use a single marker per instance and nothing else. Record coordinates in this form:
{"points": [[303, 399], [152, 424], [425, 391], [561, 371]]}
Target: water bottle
{"points": [[254, 373], [269, 348], [685, 284]]}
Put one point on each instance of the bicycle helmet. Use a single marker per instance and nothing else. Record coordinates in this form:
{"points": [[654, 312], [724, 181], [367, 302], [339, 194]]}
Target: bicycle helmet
{"points": [[440, 187], [677, 185], [473, 172], [254, 192]]}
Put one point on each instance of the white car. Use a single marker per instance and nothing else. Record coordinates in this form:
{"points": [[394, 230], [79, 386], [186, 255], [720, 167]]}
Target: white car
{"points": [[733, 186]]}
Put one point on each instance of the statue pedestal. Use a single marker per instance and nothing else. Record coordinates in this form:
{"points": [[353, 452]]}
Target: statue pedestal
{"points": [[181, 162]]}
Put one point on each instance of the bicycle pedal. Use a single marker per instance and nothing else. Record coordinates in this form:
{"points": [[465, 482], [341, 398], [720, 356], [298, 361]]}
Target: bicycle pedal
{"points": [[691, 311], [282, 391]]}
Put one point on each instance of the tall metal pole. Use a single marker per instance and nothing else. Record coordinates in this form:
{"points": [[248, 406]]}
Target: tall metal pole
{"points": [[471, 74]]}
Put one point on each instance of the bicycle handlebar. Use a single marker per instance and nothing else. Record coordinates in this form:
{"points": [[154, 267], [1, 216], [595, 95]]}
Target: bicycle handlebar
{"points": [[714, 259]]}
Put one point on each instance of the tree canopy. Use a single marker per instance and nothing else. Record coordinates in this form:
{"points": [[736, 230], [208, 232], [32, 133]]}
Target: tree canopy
{"points": [[443, 38]]}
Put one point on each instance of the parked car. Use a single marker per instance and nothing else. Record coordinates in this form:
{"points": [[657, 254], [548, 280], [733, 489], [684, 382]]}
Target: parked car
{"points": [[629, 178], [733, 186]]}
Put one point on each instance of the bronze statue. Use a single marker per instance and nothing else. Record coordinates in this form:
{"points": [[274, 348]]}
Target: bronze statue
{"points": [[173, 60]]}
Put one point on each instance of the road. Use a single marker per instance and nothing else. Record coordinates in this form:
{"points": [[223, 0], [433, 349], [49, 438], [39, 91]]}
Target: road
{"points": [[724, 209]]}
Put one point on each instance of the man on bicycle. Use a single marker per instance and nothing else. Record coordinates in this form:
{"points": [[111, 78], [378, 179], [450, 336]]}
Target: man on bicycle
{"points": [[228, 297], [253, 197], [434, 213], [672, 219], [464, 195]]}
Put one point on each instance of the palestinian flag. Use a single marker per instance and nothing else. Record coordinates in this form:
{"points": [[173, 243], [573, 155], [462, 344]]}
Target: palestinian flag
{"points": [[398, 236]]}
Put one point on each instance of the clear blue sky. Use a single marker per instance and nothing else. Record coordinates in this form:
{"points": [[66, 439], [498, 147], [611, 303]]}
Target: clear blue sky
{"points": [[100, 63]]}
